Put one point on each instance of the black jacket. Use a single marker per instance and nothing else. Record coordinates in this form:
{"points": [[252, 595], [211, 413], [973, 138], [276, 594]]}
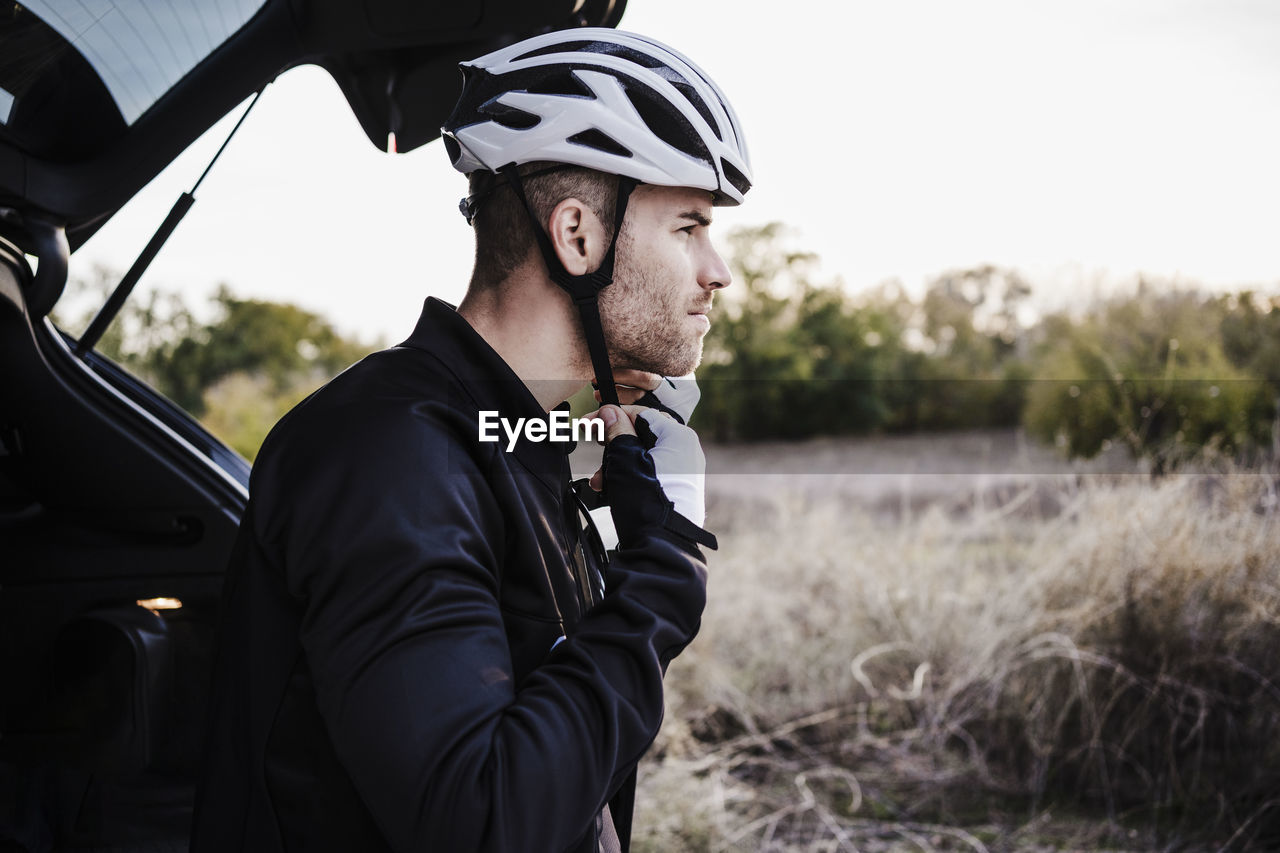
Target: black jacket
{"points": [[386, 678]]}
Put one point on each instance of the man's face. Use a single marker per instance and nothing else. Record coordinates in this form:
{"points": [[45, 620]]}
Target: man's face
{"points": [[666, 271]]}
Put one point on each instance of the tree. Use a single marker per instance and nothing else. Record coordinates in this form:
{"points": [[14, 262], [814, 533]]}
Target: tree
{"points": [[974, 375], [791, 357], [786, 357], [1151, 371], [279, 342], [237, 373]]}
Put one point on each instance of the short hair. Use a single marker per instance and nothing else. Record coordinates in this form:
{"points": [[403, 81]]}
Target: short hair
{"points": [[504, 237]]}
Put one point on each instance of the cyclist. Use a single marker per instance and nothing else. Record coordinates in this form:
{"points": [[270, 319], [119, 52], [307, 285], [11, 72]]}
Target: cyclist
{"points": [[416, 653]]}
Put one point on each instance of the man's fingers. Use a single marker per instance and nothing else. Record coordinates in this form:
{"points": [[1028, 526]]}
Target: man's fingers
{"points": [[637, 379], [616, 421], [626, 394], [631, 385], [635, 412], [597, 480]]}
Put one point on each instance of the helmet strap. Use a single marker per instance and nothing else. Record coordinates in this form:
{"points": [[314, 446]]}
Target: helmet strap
{"points": [[583, 289]]}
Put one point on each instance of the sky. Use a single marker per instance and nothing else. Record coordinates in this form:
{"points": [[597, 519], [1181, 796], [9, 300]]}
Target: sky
{"points": [[1081, 142]]}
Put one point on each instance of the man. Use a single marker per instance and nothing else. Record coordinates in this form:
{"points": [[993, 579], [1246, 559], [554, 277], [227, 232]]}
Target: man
{"points": [[416, 652]]}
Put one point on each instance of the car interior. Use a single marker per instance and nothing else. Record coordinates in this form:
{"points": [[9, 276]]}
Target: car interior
{"points": [[117, 510]]}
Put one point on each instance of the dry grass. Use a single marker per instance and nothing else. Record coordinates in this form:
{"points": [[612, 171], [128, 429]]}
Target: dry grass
{"points": [[1061, 662]]}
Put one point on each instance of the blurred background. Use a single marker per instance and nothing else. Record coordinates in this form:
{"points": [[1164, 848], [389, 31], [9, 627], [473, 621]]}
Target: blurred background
{"points": [[990, 411]]}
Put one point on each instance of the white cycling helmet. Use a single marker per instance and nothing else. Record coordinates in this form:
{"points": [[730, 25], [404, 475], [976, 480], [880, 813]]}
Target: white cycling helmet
{"points": [[612, 101]]}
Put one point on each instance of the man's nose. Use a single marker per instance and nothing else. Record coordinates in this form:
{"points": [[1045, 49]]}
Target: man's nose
{"points": [[715, 273]]}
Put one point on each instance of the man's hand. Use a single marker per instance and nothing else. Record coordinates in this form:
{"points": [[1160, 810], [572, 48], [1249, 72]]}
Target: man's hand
{"points": [[675, 450], [614, 426]]}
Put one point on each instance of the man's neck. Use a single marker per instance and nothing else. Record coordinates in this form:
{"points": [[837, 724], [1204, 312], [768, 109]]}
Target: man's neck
{"points": [[532, 327]]}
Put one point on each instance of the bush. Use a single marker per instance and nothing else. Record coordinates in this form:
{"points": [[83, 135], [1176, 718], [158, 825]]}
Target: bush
{"points": [[1149, 371]]}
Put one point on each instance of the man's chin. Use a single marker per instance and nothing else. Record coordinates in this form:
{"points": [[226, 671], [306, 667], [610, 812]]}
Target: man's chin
{"points": [[672, 363], [690, 362], [664, 367]]}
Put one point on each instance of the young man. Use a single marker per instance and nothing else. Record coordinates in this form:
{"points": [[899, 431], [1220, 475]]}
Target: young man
{"points": [[417, 654]]}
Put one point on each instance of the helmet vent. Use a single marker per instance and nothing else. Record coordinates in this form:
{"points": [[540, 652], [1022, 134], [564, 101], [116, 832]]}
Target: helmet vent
{"points": [[558, 47], [666, 123], [600, 141], [559, 82], [691, 94], [740, 181], [603, 47], [508, 116]]}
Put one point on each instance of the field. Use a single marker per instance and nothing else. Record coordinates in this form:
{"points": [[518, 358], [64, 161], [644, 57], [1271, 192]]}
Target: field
{"points": [[964, 643]]}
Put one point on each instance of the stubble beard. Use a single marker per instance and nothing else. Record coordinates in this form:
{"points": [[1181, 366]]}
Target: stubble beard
{"points": [[645, 322]]}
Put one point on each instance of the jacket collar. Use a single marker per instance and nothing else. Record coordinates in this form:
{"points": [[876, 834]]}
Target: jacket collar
{"points": [[490, 382]]}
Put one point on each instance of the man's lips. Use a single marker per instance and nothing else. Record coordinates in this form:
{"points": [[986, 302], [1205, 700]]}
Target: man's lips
{"points": [[699, 313]]}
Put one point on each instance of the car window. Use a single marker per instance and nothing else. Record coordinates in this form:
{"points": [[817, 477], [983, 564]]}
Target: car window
{"points": [[75, 75], [139, 50]]}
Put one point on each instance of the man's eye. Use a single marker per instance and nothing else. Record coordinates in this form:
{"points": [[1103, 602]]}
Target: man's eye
{"points": [[688, 229]]}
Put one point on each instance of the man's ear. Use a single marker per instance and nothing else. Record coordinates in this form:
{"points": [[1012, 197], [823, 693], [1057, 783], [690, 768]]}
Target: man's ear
{"points": [[577, 235]]}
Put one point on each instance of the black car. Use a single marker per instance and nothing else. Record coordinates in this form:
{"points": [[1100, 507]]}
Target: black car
{"points": [[117, 510]]}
